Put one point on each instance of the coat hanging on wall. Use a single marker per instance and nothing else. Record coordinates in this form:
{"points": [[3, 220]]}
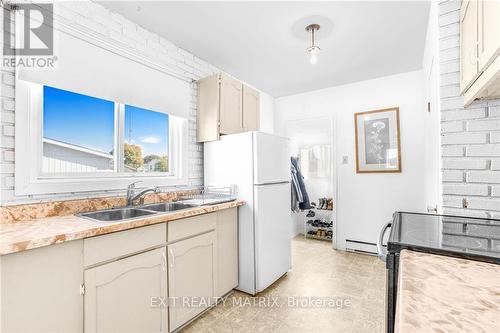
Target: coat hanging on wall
{"points": [[300, 199]]}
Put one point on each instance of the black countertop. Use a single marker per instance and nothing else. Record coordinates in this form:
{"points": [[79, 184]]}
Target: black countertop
{"points": [[457, 236]]}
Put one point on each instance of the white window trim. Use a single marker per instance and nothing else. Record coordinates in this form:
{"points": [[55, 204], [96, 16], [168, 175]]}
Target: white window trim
{"points": [[29, 147]]}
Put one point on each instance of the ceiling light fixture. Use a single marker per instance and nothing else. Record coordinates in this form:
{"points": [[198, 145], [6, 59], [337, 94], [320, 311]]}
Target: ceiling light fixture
{"points": [[313, 50]]}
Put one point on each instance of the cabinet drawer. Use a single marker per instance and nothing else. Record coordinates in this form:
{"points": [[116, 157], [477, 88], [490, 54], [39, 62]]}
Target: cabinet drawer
{"points": [[191, 226], [107, 247]]}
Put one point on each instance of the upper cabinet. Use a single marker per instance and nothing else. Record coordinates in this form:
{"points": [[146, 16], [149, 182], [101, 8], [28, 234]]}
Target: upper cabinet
{"points": [[230, 105], [225, 106], [251, 107], [468, 51], [489, 32], [479, 50]]}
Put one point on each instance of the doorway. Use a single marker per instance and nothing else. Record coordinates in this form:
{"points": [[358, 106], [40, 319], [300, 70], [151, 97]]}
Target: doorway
{"points": [[312, 143]]}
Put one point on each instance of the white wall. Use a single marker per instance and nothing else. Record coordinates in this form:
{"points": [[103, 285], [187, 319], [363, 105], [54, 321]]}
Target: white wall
{"points": [[432, 136], [364, 202], [266, 113]]}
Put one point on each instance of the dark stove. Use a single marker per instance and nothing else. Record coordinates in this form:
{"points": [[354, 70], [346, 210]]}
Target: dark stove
{"points": [[457, 236]]}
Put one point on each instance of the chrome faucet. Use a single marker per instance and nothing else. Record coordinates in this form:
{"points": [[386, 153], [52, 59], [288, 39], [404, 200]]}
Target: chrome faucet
{"points": [[132, 196]]}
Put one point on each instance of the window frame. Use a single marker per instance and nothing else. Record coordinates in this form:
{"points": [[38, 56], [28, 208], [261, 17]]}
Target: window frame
{"points": [[29, 178]]}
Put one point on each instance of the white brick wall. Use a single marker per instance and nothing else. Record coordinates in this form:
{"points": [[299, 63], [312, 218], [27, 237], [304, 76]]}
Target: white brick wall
{"points": [[115, 29], [470, 136]]}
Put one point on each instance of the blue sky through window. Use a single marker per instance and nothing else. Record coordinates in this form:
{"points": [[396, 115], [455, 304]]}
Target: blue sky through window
{"points": [[147, 129], [89, 122], [78, 119]]}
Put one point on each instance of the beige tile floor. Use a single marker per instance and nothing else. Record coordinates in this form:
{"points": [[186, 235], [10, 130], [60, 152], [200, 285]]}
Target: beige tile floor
{"points": [[317, 271]]}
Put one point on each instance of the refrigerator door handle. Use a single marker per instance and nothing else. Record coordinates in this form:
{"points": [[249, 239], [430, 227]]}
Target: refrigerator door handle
{"points": [[274, 183]]}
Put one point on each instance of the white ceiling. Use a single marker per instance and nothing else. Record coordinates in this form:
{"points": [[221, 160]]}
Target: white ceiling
{"points": [[259, 42]]}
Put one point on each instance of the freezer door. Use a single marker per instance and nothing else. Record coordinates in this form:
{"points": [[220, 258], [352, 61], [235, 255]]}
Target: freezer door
{"points": [[229, 161], [273, 233], [271, 158]]}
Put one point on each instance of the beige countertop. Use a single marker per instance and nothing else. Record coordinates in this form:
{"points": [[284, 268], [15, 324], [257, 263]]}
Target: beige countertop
{"points": [[31, 234], [445, 294]]}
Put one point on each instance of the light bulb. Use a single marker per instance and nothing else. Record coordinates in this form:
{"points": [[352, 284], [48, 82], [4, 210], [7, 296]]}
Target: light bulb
{"points": [[313, 59], [313, 52]]}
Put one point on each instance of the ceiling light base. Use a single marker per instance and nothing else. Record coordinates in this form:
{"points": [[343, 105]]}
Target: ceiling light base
{"points": [[313, 27]]}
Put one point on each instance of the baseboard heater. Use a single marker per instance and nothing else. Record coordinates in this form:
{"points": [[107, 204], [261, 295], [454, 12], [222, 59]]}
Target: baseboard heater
{"points": [[352, 245]]}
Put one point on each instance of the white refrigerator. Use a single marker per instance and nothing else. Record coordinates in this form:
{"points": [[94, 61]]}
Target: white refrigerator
{"points": [[259, 165]]}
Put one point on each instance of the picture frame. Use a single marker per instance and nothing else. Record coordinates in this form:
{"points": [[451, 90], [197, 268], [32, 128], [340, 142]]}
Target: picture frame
{"points": [[378, 145]]}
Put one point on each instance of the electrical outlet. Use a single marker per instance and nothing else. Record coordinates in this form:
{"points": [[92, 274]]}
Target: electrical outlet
{"points": [[345, 159]]}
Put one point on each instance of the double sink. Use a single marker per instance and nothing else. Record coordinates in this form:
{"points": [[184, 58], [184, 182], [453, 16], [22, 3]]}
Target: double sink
{"points": [[127, 213]]}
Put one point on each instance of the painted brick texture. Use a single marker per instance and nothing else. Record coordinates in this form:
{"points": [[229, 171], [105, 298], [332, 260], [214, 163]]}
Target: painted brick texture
{"points": [[470, 136], [118, 30]]}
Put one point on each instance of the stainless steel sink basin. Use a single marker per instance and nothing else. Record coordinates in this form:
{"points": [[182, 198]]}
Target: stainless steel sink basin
{"points": [[127, 213], [119, 214], [167, 206]]}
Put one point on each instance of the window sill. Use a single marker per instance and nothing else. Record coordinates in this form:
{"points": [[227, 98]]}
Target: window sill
{"points": [[51, 185]]}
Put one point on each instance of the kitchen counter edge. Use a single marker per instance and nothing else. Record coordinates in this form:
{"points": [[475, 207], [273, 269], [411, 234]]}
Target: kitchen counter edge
{"points": [[27, 235]]}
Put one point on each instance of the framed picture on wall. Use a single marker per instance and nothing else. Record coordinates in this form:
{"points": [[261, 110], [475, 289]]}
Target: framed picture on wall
{"points": [[378, 147]]}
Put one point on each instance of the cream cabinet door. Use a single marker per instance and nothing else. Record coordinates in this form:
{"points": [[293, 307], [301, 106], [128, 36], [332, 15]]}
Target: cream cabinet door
{"points": [[251, 109], [119, 295], [227, 251], [39, 289], [230, 105], [468, 43], [207, 115], [191, 277], [489, 32]]}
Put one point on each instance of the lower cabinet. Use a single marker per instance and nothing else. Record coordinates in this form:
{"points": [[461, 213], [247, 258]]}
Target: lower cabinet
{"points": [[227, 251], [192, 272], [118, 282], [39, 289], [124, 295]]}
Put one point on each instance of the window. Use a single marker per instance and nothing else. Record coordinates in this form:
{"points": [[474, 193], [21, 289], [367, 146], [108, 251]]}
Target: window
{"points": [[146, 140], [68, 139], [78, 133]]}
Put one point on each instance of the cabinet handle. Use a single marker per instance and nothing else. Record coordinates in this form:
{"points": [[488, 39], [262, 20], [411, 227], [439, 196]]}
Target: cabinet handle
{"points": [[172, 261], [164, 261]]}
